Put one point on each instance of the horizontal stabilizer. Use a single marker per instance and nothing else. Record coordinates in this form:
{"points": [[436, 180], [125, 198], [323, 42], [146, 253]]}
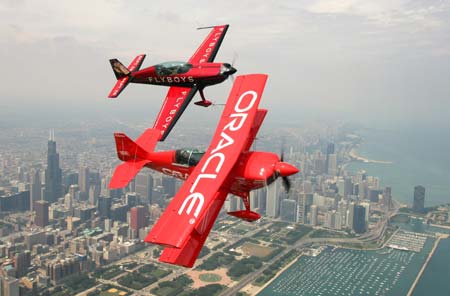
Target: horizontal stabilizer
{"points": [[125, 172], [119, 87]]}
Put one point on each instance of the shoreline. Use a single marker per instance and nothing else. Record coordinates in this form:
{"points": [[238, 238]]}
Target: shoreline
{"points": [[278, 274], [354, 156]]}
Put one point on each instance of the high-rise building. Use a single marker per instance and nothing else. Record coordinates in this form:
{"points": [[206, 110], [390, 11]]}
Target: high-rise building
{"points": [[35, 187], [137, 217], [83, 182], [350, 215], [262, 200], [22, 262], [419, 199], [330, 150], [387, 197], [144, 187], [41, 209], [314, 211], [53, 175], [94, 193], [104, 206], [301, 208], [288, 210], [273, 201], [348, 187], [168, 184], [359, 220], [10, 286], [332, 164]]}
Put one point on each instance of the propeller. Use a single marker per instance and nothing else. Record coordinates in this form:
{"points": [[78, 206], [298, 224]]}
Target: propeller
{"points": [[233, 61], [285, 180]]}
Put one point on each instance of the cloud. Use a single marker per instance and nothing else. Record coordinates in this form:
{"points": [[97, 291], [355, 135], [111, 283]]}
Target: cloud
{"points": [[385, 12]]}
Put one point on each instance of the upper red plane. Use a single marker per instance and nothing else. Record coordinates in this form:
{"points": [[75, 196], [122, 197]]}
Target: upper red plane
{"points": [[183, 78], [227, 166]]}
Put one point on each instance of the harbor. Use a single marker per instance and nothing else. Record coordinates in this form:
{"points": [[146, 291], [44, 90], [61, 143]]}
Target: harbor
{"points": [[395, 269]]}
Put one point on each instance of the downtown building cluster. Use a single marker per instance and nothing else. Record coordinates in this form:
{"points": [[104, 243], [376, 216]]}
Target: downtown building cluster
{"points": [[58, 224]]}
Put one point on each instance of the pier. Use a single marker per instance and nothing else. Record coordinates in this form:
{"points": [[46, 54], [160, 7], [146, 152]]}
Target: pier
{"points": [[416, 281]]}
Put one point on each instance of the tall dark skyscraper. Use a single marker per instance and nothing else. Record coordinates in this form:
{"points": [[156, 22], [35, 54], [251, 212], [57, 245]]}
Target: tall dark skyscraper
{"points": [[104, 206], [419, 199], [41, 209], [330, 150], [53, 179], [35, 187], [359, 219]]}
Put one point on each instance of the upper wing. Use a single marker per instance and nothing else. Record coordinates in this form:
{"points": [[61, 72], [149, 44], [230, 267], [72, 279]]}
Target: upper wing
{"points": [[185, 214], [175, 103], [210, 46], [259, 118]]}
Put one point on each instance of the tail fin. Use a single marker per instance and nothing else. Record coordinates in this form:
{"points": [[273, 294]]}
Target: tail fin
{"points": [[134, 154], [123, 74], [119, 69]]}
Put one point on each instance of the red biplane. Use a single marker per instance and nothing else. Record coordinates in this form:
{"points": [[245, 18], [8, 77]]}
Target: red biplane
{"points": [[226, 167], [183, 78]]}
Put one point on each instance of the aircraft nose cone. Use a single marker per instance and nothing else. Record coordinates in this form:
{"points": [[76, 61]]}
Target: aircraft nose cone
{"points": [[231, 71], [285, 169]]}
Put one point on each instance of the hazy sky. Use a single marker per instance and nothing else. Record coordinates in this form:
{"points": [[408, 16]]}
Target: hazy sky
{"points": [[385, 61]]}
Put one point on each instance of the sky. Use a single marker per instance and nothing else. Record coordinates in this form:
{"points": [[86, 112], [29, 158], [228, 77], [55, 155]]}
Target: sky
{"points": [[381, 63]]}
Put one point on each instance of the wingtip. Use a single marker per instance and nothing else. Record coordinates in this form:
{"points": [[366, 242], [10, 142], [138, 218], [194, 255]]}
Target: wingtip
{"points": [[210, 27]]}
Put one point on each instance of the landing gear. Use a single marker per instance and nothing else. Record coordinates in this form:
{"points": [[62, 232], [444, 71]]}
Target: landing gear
{"points": [[204, 102], [246, 214]]}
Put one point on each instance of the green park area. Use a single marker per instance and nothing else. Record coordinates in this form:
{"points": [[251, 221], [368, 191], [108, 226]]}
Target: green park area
{"points": [[144, 276], [323, 233], [210, 277], [74, 285]]}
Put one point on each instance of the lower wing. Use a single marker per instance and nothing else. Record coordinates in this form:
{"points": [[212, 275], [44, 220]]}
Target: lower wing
{"points": [[187, 255], [175, 103]]}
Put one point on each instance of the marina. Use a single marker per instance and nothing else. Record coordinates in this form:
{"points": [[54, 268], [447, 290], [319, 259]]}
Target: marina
{"points": [[407, 241], [338, 271]]}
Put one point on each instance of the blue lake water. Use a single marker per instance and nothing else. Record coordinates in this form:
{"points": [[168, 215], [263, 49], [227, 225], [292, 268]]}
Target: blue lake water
{"points": [[420, 157]]}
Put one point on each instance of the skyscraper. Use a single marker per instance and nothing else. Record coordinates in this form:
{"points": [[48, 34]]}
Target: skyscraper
{"points": [[330, 150], [301, 208], [137, 217], [168, 184], [22, 261], [35, 187], [104, 206], [419, 199], [41, 209], [314, 211], [288, 210], [144, 187], [359, 219], [53, 179], [273, 201], [83, 182]]}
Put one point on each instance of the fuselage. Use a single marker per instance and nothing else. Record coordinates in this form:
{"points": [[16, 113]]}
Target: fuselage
{"points": [[251, 171], [184, 74]]}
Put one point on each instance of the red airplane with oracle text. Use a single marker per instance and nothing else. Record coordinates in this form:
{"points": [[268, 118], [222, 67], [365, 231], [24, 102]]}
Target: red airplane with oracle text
{"points": [[228, 166], [183, 78]]}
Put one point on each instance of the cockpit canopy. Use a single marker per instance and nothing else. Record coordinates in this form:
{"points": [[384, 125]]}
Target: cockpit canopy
{"points": [[172, 68], [188, 157]]}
